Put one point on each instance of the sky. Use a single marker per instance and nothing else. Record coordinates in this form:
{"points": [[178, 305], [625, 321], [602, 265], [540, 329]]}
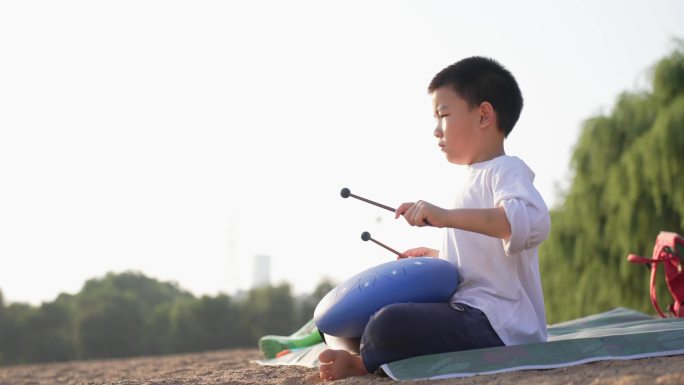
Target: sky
{"points": [[181, 139]]}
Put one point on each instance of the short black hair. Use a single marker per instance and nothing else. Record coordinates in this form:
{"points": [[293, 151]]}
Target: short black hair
{"points": [[479, 79]]}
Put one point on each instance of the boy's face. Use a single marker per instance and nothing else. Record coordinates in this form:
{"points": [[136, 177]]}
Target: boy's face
{"points": [[457, 126]]}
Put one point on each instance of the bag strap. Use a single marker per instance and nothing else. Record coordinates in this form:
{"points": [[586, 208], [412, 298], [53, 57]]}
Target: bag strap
{"points": [[654, 268]]}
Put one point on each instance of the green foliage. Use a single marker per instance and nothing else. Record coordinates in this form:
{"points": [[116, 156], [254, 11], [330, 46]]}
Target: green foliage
{"points": [[627, 187], [50, 333], [206, 323], [111, 326], [129, 314], [268, 310], [127, 308], [14, 333]]}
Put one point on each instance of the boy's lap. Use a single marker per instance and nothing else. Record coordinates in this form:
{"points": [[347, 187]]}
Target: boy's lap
{"points": [[434, 326]]}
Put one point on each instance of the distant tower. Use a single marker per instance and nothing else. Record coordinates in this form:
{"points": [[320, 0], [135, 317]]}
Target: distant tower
{"points": [[262, 271]]}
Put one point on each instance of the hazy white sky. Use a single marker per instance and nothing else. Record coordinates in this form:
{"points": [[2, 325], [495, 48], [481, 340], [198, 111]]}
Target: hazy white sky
{"points": [[182, 138]]}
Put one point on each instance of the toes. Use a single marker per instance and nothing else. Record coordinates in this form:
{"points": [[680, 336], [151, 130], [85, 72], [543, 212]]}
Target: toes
{"points": [[328, 355], [325, 375], [325, 371]]}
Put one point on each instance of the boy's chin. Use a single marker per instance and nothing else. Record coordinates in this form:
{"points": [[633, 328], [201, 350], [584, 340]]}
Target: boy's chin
{"points": [[453, 160]]}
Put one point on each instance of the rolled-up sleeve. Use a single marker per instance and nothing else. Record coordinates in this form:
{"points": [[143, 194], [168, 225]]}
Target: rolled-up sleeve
{"points": [[529, 225], [525, 209]]}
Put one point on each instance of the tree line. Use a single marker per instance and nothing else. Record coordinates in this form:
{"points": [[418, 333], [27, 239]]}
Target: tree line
{"points": [[129, 314]]}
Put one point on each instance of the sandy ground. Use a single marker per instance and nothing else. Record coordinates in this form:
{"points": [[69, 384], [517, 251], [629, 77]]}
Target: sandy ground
{"points": [[233, 367]]}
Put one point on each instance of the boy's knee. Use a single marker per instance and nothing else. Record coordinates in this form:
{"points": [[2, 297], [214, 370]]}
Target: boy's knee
{"points": [[391, 312], [389, 320]]}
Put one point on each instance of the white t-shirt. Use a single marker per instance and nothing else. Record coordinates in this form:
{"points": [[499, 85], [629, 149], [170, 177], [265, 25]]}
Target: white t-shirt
{"points": [[501, 278]]}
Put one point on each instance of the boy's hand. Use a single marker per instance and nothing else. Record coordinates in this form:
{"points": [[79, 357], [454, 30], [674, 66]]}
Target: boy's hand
{"points": [[421, 214], [421, 252]]}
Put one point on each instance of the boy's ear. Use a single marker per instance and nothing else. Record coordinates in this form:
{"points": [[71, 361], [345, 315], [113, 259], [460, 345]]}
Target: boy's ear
{"points": [[487, 114]]}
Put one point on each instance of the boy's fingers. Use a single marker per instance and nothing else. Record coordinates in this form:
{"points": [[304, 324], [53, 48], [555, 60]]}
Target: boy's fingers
{"points": [[415, 213], [405, 208], [418, 214], [422, 214], [398, 211], [408, 215], [402, 209]]}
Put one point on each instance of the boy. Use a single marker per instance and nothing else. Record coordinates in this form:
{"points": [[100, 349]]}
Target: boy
{"points": [[492, 234]]}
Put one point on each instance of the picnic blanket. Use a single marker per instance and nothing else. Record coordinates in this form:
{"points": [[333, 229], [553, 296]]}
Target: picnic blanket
{"points": [[618, 334]]}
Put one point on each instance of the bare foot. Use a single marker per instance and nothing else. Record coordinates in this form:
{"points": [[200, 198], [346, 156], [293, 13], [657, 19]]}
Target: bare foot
{"points": [[338, 364]]}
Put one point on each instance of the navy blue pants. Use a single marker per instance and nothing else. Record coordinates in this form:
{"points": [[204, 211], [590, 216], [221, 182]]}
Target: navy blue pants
{"points": [[406, 330]]}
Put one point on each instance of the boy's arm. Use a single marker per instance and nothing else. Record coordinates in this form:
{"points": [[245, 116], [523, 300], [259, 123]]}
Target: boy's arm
{"points": [[492, 222]]}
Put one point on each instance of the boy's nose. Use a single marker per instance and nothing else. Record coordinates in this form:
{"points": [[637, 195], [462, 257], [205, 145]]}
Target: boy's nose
{"points": [[438, 132]]}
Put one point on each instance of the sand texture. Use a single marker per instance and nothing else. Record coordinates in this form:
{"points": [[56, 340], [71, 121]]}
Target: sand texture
{"points": [[233, 367]]}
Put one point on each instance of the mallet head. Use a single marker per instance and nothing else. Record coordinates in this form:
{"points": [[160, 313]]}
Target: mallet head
{"points": [[345, 193], [365, 236]]}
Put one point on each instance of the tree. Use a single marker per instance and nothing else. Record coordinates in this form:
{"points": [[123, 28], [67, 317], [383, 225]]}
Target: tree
{"points": [[15, 332], [626, 188], [102, 300], [267, 310], [50, 334], [207, 323], [111, 325]]}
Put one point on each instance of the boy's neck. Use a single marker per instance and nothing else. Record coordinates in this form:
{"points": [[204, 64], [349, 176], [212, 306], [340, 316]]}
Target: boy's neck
{"points": [[490, 152]]}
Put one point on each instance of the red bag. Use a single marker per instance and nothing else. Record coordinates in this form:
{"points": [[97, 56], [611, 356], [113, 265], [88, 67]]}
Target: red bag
{"points": [[668, 250]]}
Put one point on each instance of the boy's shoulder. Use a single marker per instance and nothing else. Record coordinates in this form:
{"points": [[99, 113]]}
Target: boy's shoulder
{"points": [[505, 177], [504, 164]]}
